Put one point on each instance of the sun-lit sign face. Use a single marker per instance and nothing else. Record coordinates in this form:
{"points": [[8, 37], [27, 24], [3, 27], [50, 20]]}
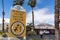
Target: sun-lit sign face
{"points": [[17, 28], [17, 24]]}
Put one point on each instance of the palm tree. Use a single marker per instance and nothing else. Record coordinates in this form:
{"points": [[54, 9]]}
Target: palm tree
{"points": [[32, 3], [3, 13], [18, 2]]}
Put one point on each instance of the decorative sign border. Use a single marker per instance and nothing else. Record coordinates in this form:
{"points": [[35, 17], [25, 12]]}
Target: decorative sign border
{"points": [[13, 32]]}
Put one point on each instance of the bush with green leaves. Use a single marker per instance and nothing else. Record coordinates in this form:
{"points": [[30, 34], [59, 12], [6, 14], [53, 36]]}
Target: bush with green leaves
{"points": [[3, 34]]}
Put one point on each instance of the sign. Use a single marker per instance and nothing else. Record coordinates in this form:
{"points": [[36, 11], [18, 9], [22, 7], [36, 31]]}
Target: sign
{"points": [[17, 24]]}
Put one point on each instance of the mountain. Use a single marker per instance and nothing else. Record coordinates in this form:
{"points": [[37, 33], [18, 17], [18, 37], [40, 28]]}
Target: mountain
{"points": [[44, 26]]}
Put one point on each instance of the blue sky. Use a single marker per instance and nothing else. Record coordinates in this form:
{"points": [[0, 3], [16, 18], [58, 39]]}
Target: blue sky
{"points": [[47, 6]]}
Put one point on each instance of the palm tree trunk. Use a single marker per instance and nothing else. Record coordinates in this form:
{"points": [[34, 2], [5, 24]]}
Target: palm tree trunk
{"points": [[32, 19], [2, 15]]}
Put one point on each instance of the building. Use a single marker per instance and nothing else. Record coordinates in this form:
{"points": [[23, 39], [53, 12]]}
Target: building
{"points": [[6, 25], [44, 29]]}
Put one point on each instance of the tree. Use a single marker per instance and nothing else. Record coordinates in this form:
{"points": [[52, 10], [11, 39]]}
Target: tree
{"points": [[18, 2], [29, 32], [3, 34], [28, 27], [32, 3]]}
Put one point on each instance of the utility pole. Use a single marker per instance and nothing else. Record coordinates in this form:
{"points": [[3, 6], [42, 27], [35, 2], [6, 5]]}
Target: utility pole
{"points": [[57, 20], [32, 3], [3, 15]]}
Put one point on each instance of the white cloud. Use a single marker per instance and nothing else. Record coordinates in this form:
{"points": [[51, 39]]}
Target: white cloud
{"points": [[41, 16], [6, 20]]}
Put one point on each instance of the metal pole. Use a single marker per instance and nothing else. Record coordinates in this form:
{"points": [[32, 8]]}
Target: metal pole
{"points": [[3, 15]]}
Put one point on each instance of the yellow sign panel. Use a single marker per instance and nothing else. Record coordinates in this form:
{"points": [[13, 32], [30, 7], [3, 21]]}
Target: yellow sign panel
{"points": [[17, 24]]}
